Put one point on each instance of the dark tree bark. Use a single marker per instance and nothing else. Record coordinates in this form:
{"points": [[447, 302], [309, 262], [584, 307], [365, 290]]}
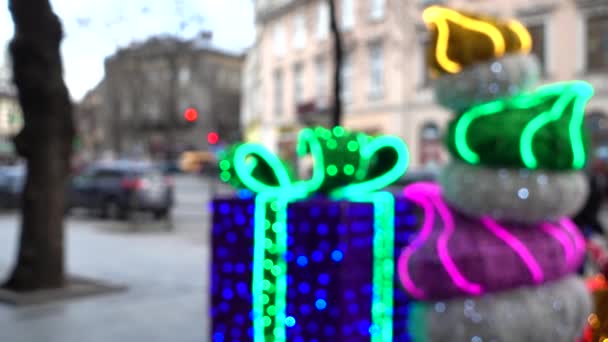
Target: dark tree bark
{"points": [[45, 142], [337, 79]]}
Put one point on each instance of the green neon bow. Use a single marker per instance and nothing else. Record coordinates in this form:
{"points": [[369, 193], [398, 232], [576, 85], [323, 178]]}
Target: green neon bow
{"points": [[346, 165], [543, 129]]}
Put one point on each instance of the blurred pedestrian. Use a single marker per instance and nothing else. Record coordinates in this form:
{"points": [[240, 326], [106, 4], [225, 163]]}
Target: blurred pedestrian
{"points": [[587, 218]]}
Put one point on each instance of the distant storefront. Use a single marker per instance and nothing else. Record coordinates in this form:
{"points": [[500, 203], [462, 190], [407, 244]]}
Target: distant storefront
{"points": [[597, 124], [288, 138], [431, 145], [11, 118]]}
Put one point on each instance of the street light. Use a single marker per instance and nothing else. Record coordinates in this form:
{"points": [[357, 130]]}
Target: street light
{"points": [[213, 138], [191, 115]]}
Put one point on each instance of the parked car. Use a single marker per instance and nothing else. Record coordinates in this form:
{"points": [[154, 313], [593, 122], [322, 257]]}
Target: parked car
{"points": [[118, 189], [12, 181]]}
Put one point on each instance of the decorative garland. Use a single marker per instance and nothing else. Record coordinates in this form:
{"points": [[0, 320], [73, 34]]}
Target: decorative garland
{"points": [[525, 196], [543, 129], [460, 239], [460, 40], [553, 312], [495, 79]]}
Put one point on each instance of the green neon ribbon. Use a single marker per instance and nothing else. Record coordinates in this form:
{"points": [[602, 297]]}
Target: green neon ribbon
{"points": [[346, 165], [547, 112]]}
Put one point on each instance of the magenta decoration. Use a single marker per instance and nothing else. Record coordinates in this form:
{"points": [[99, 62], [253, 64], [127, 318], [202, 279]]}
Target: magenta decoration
{"points": [[454, 255]]}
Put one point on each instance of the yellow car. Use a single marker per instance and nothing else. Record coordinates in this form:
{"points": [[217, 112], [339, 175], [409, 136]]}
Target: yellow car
{"points": [[196, 161]]}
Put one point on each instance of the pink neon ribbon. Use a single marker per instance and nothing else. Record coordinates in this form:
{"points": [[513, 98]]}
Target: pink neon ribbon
{"points": [[419, 193], [412, 193], [428, 195], [444, 254], [564, 239], [517, 246], [579, 241]]}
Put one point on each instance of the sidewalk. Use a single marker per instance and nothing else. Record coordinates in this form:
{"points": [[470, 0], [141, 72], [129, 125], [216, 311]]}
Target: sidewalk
{"points": [[166, 300]]}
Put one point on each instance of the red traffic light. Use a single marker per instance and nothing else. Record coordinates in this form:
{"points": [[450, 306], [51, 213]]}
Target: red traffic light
{"points": [[191, 114], [213, 138]]}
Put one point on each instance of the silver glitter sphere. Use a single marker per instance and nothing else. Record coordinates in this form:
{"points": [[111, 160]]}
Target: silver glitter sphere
{"points": [[511, 194], [502, 77], [554, 312]]}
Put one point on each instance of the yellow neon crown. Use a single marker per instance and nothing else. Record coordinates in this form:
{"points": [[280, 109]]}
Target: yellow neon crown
{"points": [[459, 40]]}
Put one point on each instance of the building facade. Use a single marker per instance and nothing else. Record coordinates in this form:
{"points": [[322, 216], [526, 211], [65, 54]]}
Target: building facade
{"points": [[387, 88], [149, 86], [91, 129], [11, 117]]}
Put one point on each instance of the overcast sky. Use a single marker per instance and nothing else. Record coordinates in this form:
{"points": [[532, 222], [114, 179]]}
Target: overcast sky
{"points": [[94, 28]]}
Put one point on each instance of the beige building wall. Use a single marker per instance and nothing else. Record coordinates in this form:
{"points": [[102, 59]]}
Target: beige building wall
{"points": [[407, 103]]}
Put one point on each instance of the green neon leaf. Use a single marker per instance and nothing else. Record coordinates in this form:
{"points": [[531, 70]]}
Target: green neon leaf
{"points": [[543, 129]]}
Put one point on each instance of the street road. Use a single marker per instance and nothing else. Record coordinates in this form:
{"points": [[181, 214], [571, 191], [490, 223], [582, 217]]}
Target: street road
{"points": [[164, 265]]}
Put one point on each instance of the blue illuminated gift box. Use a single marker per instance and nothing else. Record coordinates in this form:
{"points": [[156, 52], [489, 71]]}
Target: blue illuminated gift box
{"points": [[329, 261]]}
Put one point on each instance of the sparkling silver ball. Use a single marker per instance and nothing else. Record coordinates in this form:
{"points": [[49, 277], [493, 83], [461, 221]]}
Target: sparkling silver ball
{"points": [[502, 77], [524, 314], [513, 194]]}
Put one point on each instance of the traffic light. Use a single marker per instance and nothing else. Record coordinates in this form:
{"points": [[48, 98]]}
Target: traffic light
{"points": [[213, 138], [190, 114]]}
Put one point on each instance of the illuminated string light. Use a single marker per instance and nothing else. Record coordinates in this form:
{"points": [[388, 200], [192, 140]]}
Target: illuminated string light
{"points": [[439, 16], [519, 248], [579, 241], [269, 289], [428, 196], [442, 248], [411, 193], [564, 93], [523, 35], [564, 240]]}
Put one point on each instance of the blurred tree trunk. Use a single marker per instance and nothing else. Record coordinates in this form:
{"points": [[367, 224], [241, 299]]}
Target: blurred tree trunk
{"points": [[337, 79], [172, 111], [45, 142]]}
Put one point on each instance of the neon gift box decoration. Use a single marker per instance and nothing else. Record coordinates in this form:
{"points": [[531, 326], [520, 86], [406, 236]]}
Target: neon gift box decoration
{"points": [[311, 260]]}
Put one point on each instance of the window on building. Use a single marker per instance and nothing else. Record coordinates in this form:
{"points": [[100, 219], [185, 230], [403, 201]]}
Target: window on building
{"points": [[430, 132], [279, 40], [184, 76], [597, 43], [430, 144], [323, 20], [321, 81], [348, 15], [346, 74], [376, 70], [298, 84], [537, 32], [278, 93], [376, 9], [299, 39]]}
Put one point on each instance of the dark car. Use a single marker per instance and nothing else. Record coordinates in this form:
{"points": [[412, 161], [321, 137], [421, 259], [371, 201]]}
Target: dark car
{"points": [[118, 189], [12, 180]]}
